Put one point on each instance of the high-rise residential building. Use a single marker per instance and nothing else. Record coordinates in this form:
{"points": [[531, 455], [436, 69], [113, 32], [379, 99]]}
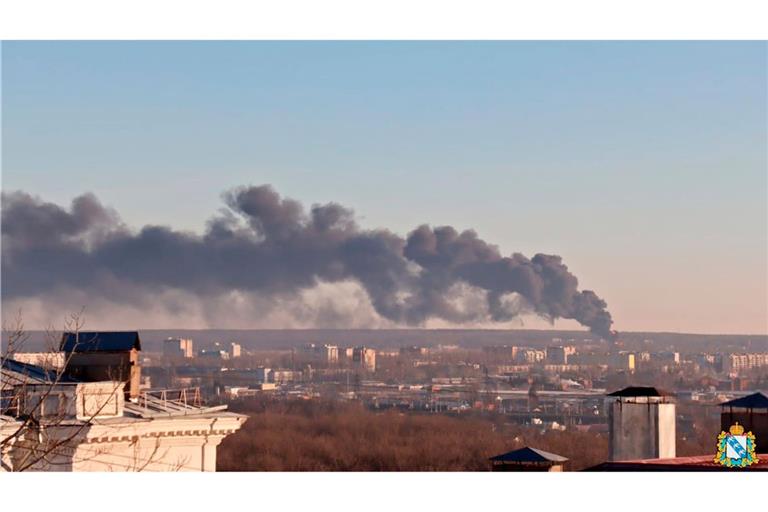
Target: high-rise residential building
{"points": [[622, 361], [501, 353], [667, 358], [740, 362], [559, 354], [234, 350], [262, 374], [178, 347], [316, 353], [414, 351], [365, 358], [530, 355]]}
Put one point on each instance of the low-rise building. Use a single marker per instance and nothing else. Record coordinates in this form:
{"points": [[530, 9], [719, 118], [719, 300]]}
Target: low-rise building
{"points": [[95, 423]]}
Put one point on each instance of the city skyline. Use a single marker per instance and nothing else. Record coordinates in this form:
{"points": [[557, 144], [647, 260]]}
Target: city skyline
{"points": [[641, 164]]}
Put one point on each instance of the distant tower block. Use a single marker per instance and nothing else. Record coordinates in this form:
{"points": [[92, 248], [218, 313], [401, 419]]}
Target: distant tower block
{"points": [[641, 424]]}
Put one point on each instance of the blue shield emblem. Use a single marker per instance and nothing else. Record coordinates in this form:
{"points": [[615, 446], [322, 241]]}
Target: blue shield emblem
{"points": [[736, 449]]}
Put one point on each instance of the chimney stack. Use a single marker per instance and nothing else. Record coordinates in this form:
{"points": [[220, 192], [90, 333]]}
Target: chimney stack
{"points": [[641, 424]]}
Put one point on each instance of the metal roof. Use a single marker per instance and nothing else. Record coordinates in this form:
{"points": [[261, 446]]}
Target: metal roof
{"points": [[119, 341], [16, 373], [753, 401], [633, 391], [528, 454], [155, 407], [692, 463]]}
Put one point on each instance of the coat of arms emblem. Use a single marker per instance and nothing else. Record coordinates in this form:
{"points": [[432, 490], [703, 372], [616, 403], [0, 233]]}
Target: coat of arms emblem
{"points": [[735, 449]]}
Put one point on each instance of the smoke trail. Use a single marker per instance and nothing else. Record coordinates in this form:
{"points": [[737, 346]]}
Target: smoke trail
{"points": [[269, 246]]}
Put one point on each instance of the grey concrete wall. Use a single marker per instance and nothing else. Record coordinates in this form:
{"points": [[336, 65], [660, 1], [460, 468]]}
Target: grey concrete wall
{"points": [[641, 431]]}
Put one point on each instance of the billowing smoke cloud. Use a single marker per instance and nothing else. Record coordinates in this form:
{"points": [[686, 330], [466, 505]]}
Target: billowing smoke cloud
{"points": [[265, 247]]}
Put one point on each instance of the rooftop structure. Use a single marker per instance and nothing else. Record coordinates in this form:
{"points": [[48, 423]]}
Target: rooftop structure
{"points": [[641, 392], [753, 401], [115, 341], [528, 459], [749, 411], [50, 360], [641, 424], [104, 356], [91, 425]]}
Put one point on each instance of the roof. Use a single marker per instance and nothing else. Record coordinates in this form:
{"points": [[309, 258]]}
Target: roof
{"points": [[118, 341], [694, 463], [17, 373], [753, 401], [632, 391], [528, 454]]}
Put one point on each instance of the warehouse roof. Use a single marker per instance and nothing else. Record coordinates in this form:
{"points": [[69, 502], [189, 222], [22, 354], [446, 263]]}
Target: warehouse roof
{"points": [[119, 341]]}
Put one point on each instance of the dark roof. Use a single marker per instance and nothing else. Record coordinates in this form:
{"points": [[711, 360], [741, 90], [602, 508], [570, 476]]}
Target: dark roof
{"points": [[528, 454], [693, 463], [122, 341], [34, 372], [640, 391], [753, 401]]}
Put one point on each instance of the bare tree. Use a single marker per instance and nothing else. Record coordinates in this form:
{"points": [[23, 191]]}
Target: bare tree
{"points": [[41, 433]]}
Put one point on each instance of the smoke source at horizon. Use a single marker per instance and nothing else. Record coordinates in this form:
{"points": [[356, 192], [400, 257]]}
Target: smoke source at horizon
{"points": [[263, 253]]}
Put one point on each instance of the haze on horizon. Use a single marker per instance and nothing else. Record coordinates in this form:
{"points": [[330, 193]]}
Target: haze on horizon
{"points": [[643, 165]]}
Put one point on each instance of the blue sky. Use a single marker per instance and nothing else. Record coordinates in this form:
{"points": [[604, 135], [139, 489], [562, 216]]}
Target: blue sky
{"points": [[642, 163]]}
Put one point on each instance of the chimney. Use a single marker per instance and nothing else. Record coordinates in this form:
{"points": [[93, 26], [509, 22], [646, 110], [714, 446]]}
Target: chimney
{"points": [[641, 424]]}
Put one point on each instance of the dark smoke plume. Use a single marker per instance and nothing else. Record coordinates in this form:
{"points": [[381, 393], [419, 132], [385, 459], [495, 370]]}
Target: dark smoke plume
{"points": [[271, 246]]}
